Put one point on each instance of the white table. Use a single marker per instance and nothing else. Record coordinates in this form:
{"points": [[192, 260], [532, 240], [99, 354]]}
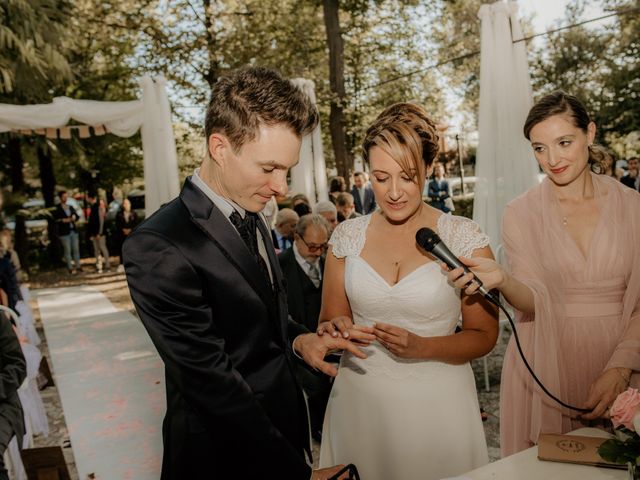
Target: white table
{"points": [[526, 466]]}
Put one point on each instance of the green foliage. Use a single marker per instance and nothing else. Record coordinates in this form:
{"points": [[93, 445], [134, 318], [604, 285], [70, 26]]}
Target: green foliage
{"points": [[32, 34], [622, 451], [602, 68]]}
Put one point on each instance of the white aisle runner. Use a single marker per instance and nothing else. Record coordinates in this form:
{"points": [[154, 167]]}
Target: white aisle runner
{"points": [[111, 383]]}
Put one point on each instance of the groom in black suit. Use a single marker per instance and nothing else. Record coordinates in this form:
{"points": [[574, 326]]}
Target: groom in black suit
{"points": [[207, 286]]}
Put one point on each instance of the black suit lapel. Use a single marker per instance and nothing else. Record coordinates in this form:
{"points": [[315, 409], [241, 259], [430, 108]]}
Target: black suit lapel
{"points": [[218, 228]]}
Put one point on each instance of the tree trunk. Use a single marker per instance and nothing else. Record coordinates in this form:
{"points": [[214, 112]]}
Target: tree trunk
{"points": [[213, 70], [18, 190], [337, 122], [48, 180]]}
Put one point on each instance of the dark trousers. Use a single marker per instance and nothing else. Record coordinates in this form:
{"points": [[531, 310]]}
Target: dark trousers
{"points": [[6, 434], [317, 386]]}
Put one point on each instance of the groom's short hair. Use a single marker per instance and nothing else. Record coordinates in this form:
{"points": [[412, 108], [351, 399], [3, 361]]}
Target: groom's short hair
{"points": [[246, 98]]}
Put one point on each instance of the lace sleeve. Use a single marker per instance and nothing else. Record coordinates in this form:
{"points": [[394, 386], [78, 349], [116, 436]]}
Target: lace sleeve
{"points": [[349, 236], [462, 235]]}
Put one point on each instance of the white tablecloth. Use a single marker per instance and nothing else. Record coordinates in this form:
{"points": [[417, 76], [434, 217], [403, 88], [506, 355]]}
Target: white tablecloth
{"points": [[526, 466]]}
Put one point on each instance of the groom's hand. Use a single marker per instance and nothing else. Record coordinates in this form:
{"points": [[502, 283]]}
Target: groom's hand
{"points": [[344, 326], [313, 348]]}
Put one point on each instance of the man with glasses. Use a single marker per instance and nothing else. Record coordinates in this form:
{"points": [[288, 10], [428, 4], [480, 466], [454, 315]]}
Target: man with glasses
{"points": [[302, 267]]}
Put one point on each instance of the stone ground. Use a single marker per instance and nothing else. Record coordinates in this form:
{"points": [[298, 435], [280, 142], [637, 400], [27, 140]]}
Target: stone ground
{"points": [[114, 286]]}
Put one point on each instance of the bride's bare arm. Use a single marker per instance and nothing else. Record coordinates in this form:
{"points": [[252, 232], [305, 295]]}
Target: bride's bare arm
{"points": [[477, 338]]}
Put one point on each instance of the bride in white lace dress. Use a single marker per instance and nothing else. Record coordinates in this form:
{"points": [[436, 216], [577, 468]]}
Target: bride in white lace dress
{"points": [[410, 409]]}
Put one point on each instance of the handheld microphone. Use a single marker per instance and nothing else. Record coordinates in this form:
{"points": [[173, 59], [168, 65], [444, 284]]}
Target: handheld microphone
{"points": [[432, 243]]}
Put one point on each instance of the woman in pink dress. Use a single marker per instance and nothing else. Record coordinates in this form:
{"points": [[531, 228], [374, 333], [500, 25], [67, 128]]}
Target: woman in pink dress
{"points": [[573, 278]]}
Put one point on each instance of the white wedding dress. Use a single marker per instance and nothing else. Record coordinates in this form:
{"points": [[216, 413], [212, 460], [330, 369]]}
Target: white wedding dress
{"points": [[402, 419]]}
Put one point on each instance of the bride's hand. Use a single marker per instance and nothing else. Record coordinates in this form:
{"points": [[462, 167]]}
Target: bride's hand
{"points": [[343, 326], [487, 270], [397, 340]]}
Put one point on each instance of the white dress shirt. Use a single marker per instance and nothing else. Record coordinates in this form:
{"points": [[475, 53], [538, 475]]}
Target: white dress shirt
{"points": [[227, 207]]}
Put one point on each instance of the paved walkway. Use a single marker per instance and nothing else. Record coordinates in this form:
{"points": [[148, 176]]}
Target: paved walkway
{"points": [[111, 383]]}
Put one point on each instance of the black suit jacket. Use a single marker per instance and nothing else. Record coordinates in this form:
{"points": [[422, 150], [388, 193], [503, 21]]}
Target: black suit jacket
{"points": [[234, 407], [59, 215], [93, 222], [13, 370], [303, 298], [369, 200]]}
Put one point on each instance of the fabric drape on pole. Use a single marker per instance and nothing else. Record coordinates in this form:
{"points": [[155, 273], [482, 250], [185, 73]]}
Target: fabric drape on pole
{"points": [[505, 165], [310, 175], [123, 119], [158, 145]]}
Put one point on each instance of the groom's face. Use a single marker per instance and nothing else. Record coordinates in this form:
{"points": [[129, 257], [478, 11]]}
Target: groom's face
{"points": [[258, 170]]}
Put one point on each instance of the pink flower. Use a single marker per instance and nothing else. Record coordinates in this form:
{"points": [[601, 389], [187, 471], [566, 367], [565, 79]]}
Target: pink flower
{"points": [[624, 408]]}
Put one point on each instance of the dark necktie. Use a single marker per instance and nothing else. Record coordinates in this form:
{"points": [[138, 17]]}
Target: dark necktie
{"points": [[247, 229]]}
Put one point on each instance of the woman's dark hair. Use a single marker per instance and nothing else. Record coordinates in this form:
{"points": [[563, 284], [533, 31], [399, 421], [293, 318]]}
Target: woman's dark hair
{"points": [[561, 103], [337, 184]]}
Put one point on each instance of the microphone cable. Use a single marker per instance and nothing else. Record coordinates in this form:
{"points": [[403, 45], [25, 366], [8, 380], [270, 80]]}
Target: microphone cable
{"points": [[497, 303]]}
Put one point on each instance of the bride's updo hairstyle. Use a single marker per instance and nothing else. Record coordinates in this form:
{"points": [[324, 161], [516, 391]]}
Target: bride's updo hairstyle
{"points": [[561, 103], [405, 133]]}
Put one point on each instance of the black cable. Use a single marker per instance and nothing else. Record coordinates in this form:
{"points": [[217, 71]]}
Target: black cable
{"points": [[496, 302]]}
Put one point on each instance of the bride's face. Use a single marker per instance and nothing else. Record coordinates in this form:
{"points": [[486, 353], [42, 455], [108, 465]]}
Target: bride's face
{"points": [[397, 193]]}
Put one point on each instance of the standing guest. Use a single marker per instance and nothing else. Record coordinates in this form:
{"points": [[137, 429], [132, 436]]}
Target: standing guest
{"points": [[66, 217], [573, 277], [337, 185], [363, 197], [410, 410], [126, 220], [346, 207], [282, 234], [96, 231], [6, 244], [302, 266], [8, 281], [13, 370], [439, 190], [329, 212], [208, 288], [631, 178]]}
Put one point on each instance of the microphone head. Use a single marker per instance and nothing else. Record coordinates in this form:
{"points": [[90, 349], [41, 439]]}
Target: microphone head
{"points": [[427, 238]]}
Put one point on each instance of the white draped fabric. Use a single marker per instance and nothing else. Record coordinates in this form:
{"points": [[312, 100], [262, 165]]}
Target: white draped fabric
{"points": [[310, 176], [151, 114], [505, 165]]}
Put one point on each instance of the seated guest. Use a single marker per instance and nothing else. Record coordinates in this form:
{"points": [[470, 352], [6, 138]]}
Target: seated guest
{"points": [[346, 207], [328, 211], [13, 370], [302, 266], [362, 193], [631, 178], [282, 234]]}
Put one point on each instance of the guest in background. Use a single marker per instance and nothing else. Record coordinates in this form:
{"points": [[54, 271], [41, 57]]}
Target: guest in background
{"points": [[302, 266], [364, 200], [282, 234], [6, 244], [97, 232], [13, 370], [126, 220], [328, 211], [337, 185], [8, 281], [66, 217], [573, 278], [346, 207], [439, 190], [631, 178], [300, 204]]}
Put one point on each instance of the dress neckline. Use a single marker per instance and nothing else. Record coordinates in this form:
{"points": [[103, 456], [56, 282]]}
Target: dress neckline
{"points": [[377, 274]]}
